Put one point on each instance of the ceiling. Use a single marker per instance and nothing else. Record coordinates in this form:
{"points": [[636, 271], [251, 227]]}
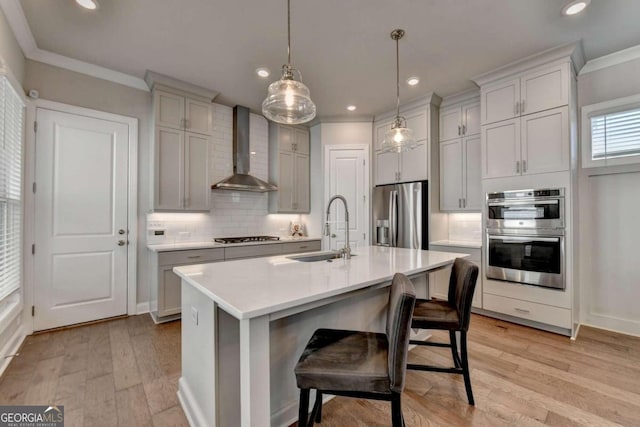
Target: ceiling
{"points": [[342, 47]]}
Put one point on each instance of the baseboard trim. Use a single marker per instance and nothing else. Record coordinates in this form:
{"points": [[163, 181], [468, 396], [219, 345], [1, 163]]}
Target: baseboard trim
{"points": [[617, 331], [192, 412], [142, 307], [11, 347]]}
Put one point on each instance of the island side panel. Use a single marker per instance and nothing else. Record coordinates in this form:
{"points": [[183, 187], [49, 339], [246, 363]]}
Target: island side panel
{"points": [[199, 365]]}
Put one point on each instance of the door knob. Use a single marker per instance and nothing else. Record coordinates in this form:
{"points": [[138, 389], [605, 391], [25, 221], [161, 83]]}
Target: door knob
{"points": [[121, 231], [121, 242]]}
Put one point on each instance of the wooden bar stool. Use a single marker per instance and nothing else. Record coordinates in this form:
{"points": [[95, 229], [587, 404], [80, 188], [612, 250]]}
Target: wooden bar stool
{"points": [[452, 315], [366, 365]]}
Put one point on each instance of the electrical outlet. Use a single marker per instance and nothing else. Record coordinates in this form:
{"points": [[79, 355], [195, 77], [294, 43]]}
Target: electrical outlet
{"points": [[194, 315]]}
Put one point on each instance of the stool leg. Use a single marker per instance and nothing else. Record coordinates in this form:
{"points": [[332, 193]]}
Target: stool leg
{"points": [[454, 348], [303, 409], [318, 407], [465, 367], [396, 411]]}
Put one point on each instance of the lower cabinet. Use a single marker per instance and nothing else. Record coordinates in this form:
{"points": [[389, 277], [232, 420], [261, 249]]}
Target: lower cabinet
{"points": [[165, 292], [439, 281]]}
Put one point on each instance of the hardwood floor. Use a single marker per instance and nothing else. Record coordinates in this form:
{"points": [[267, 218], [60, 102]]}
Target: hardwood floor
{"points": [[125, 372], [122, 372]]}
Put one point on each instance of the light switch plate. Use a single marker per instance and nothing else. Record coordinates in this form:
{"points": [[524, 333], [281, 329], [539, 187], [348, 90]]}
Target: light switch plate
{"points": [[194, 315]]}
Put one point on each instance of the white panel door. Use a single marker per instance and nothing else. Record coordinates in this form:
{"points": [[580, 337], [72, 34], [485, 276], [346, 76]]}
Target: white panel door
{"points": [[414, 164], [499, 101], [472, 175], [347, 176], [81, 219], [387, 166], [198, 117], [169, 110], [196, 172], [450, 123], [169, 169], [545, 141], [501, 149], [471, 118], [545, 88], [451, 175]]}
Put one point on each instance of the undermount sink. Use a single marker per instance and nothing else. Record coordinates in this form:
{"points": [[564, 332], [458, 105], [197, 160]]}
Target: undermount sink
{"points": [[322, 256]]}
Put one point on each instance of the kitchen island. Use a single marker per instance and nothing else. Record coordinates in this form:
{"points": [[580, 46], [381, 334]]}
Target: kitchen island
{"points": [[246, 322]]}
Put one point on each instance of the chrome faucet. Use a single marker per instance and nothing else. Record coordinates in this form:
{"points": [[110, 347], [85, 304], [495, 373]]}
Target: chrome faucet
{"points": [[346, 251]]}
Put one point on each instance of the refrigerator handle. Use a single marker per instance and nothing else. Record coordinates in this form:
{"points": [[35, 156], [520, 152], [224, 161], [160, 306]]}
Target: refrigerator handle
{"points": [[393, 218]]}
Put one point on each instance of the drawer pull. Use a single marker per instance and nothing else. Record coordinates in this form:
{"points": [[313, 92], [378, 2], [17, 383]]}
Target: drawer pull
{"points": [[304, 247], [194, 256], [522, 310]]}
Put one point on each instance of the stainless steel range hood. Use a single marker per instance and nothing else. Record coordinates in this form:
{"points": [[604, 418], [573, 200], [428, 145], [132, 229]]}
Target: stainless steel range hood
{"points": [[241, 180]]}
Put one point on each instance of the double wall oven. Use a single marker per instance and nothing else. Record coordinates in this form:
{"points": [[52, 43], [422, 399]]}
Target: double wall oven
{"points": [[526, 237]]}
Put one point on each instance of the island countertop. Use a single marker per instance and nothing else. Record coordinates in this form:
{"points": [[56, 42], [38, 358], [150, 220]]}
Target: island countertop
{"points": [[255, 287]]}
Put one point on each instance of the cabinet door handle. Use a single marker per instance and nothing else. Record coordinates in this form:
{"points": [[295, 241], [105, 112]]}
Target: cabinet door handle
{"points": [[518, 166], [522, 108], [522, 310], [194, 257], [459, 203], [464, 129], [303, 247], [459, 130], [524, 166], [464, 203]]}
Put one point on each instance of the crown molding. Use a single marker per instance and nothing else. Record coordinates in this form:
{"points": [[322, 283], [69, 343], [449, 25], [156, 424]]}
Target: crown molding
{"points": [[615, 58], [456, 98], [571, 51], [21, 30], [429, 99], [160, 81], [341, 119]]}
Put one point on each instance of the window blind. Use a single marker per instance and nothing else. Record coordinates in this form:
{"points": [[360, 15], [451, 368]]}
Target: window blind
{"points": [[11, 137], [615, 135]]}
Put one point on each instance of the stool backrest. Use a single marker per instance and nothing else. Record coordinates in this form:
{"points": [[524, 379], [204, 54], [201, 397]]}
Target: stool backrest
{"points": [[402, 298], [462, 284]]}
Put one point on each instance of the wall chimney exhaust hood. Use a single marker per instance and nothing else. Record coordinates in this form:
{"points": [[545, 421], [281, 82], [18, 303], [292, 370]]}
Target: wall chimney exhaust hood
{"points": [[241, 180]]}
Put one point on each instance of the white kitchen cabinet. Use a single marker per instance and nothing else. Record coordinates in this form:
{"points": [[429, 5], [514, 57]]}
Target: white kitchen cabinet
{"points": [[289, 154], [535, 143], [412, 165], [439, 280], [458, 120], [540, 89], [460, 153], [183, 128]]}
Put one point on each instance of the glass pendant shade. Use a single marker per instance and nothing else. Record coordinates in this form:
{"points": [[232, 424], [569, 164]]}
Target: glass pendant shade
{"points": [[399, 138], [288, 101]]}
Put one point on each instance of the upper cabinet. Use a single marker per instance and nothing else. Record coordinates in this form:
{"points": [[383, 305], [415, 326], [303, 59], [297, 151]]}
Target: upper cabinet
{"points": [[459, 153], [182, 138], [543, 88], [289, 169], [412, 165]]}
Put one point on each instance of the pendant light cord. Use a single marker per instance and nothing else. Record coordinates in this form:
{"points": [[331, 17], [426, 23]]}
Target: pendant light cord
{"points": [[397, 75], [289, 33]]}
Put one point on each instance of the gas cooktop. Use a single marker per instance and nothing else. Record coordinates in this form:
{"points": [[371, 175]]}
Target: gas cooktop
{"points": [[245, 239]]}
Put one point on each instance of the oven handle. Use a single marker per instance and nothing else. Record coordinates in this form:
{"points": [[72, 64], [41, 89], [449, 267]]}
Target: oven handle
{"points": [[525, 239], [520, 203]]}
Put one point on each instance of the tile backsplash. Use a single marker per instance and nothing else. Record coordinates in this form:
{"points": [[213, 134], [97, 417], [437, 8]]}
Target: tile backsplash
{"points": [[465, 226], [233, 213]]}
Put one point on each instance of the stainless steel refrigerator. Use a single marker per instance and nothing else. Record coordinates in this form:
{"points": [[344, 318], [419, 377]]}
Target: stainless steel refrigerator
{"points": [[400, 215]]}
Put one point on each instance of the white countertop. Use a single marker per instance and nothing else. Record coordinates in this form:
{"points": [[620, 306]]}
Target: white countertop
{"points": [[183, 246], [254, 287], [458, 243]]}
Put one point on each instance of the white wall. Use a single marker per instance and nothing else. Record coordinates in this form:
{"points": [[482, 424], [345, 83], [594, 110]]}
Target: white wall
{"points": [[323, 134], [10, 51], [609, 230]]}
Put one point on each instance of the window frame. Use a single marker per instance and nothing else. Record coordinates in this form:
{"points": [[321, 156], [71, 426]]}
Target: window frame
{"points": [[602, 108]]}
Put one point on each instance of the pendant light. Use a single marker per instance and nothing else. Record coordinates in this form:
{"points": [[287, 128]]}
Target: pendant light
{"points": [[288, 100], [399, 138]]}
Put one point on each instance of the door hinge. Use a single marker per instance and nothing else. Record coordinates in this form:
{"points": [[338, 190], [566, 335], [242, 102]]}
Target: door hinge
{"points": [[33, 311], [34, 187], [35, 126], [33, 249]]}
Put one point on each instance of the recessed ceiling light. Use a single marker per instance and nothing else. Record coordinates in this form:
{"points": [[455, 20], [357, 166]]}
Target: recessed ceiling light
{"points": [[574, 7], [263, 72], [351, 107], [412, 81], [88, 4]]}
